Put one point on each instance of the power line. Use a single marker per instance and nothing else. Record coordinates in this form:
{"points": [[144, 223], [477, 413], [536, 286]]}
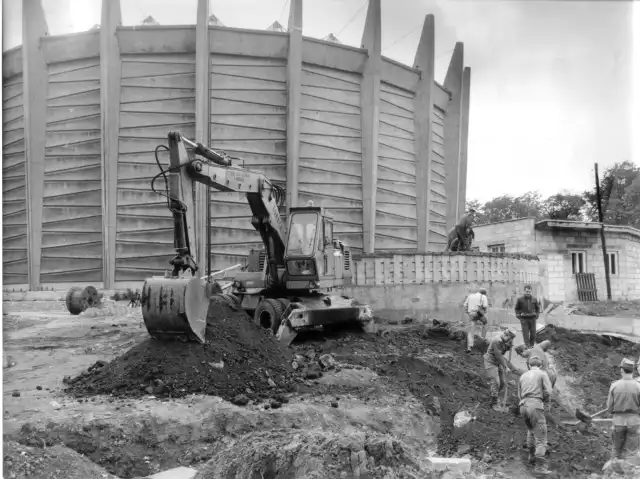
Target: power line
{"points": [[282, 12], [352, 18], [402, 37]]}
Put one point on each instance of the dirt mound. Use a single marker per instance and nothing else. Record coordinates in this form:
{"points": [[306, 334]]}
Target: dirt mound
{"points": [[311, 455], [445, 379], [592, 359], [238, 358], [55, 462]]}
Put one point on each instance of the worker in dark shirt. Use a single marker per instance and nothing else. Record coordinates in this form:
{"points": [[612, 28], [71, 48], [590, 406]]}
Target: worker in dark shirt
{"points": [[527, 311], [496, 366], [464, 230], [534, 391], [624, 405]]}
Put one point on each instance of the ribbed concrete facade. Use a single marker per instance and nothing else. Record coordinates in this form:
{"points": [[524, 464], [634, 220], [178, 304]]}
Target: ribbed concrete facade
{"points": [[379, 143]]}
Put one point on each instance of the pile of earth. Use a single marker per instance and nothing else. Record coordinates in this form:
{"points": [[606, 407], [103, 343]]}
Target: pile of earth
{"points": [[57, 462], [593, 360], [239, 361], [439, 373]]}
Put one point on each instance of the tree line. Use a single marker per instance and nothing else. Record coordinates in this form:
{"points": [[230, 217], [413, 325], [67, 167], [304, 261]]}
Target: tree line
{"points": [[620, 191]]}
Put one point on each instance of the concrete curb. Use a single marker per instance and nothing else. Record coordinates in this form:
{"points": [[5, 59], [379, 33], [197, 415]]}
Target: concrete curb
{"points": [[175, 473]]}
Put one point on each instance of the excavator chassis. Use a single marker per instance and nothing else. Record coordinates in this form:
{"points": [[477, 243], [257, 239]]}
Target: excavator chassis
{"points": [[311, 312], [177, 308]]}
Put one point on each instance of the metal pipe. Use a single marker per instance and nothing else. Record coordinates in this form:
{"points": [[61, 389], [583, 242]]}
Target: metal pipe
{"points": [[235, 266], [208, 223]]}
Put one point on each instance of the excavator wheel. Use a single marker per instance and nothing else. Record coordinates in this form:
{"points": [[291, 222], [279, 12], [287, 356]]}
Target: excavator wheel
{"points": [[268, 314]]}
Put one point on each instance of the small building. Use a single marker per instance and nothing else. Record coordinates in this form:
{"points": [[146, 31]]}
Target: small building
{"points": [[569, 247]]}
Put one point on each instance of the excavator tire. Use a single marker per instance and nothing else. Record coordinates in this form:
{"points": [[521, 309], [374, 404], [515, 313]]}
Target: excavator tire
{"points": [[268, 314]]}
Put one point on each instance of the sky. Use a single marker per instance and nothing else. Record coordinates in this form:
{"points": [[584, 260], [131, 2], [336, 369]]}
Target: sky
{"points": [[551, 81]]}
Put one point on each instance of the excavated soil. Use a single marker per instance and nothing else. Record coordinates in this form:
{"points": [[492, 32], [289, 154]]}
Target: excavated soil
{"points": [[238, 358], [446, 379]]}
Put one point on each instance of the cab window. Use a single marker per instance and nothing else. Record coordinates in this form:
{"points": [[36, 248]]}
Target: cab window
{"points": [[302, 234]]}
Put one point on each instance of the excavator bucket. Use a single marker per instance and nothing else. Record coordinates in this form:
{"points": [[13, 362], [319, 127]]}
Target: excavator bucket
{"points": [[175, 307]]}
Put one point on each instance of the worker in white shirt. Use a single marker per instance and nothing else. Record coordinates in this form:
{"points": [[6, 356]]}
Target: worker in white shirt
{"points": [[475, 306]]}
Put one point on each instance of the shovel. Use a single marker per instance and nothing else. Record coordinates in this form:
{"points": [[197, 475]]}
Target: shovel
{"points": [[583, 417]]}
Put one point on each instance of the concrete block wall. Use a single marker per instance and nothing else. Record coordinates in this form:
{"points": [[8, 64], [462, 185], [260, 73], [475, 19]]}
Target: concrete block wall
{"points": [[555, 248], [518, 236]]}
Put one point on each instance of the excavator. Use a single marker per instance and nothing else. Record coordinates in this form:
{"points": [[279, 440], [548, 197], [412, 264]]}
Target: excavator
{"points": [[291, 285]]}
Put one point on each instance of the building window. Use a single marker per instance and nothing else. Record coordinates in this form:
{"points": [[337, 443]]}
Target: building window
{"points": [[578, 262], [496, 248], [612, 259]]}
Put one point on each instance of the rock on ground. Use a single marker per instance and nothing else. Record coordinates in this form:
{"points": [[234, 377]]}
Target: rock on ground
{"points": [[57, 462]]}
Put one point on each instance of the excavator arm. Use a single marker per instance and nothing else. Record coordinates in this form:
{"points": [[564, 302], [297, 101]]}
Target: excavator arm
{"points": [[177, 303], [216, 171]]}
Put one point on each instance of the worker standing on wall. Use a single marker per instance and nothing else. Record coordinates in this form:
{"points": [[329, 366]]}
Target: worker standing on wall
{"points": [[624, 405], [464, 230], [534, 391], [527, 311], [496, 366], [475, 307]]}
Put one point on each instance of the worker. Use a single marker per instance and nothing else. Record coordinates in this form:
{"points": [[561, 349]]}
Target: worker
{"points": [[496, 365], [527, 311], [540, 351], [464, 231], [624, 405], [534, 391], [475, 307]]}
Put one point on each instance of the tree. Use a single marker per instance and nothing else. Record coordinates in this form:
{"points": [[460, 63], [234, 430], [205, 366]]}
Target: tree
{"points": [[507, 207], [620, 195], [564, 206]]}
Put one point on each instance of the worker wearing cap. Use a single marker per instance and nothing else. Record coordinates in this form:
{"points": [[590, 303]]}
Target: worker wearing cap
{"points": [[534, 391], [496, 365], [540, 351], [624, 405], [464, 231], [475, 306]]}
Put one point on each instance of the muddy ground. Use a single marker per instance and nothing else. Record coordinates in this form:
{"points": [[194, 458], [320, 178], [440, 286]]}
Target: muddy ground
{"points": [[377, 403], [618, 308]]}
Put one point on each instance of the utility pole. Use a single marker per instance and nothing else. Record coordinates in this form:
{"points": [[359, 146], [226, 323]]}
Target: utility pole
{"points": [[602, 238]]}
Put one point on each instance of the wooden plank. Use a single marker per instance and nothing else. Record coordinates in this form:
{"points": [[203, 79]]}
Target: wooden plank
{"points": [[12, 63], [156, 39], [246, 42], [399, 75], [442, 98], [73, 46], [331, 55]]}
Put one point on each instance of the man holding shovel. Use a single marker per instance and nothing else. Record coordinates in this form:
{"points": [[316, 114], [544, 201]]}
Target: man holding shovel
{"points": [[496, 366], [534, 391], [624, 405], [539, 351]]}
